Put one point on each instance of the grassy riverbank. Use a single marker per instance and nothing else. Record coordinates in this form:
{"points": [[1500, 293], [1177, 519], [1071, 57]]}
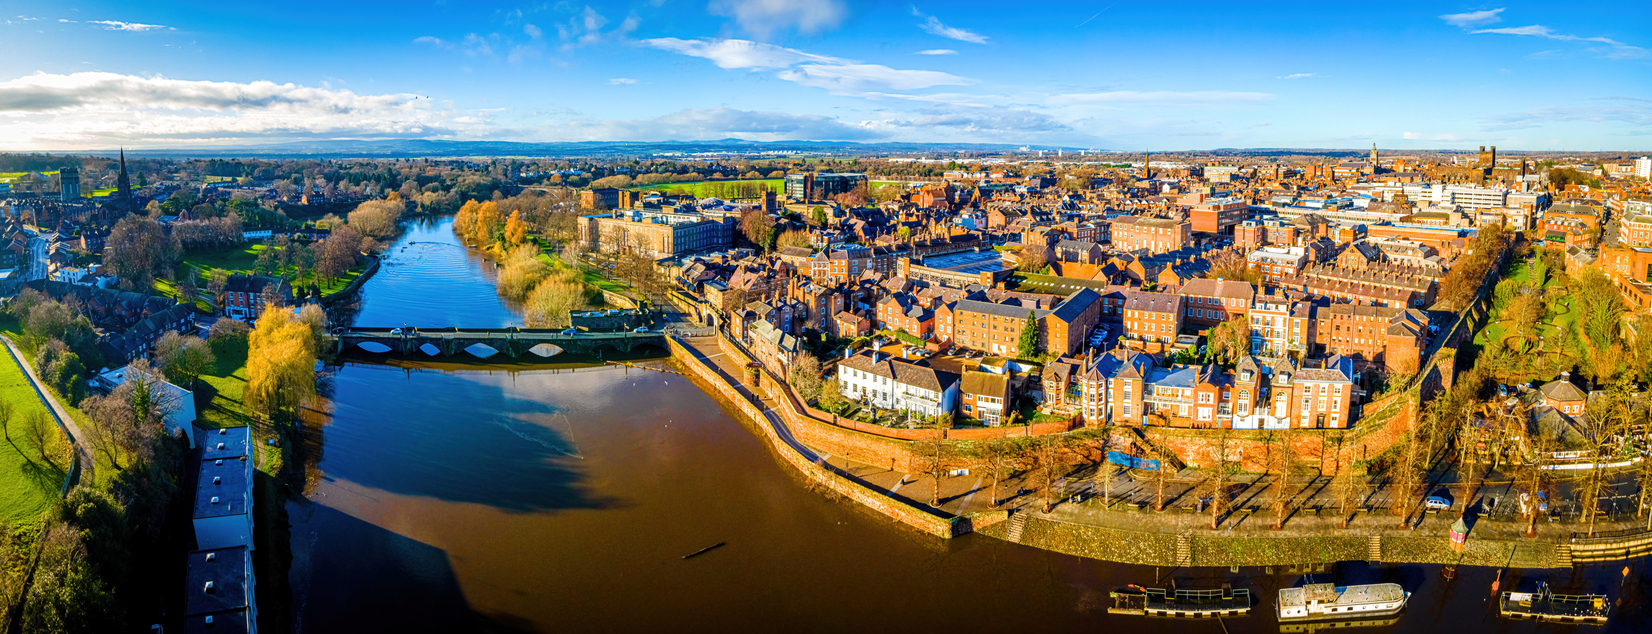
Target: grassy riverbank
{"points": [[29, 484]]}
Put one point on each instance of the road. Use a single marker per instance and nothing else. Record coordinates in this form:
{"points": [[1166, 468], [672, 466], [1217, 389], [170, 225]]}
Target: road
{"points": [[82, 449], [38, 265]]}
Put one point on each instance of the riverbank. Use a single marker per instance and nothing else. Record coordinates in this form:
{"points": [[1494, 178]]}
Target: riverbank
{"points": [[1125, 531]]}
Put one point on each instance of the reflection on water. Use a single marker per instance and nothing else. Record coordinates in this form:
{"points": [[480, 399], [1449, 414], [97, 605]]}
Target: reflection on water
{"points": [[475, 497]]}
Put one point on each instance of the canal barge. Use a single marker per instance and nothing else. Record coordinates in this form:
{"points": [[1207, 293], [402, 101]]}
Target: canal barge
{"points": [[1317, 601], [1544, 605], [1181, 604]]}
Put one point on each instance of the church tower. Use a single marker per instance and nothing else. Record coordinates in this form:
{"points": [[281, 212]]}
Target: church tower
{"points": [[1371, 165]]}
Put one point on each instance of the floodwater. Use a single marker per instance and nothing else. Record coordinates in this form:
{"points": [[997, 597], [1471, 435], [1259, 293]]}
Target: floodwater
{"points": [[452, 498]]}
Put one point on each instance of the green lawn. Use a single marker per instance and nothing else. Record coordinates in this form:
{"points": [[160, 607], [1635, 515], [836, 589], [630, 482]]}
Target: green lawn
{"points": [[1553, 324], [218, 393], [11, 176], [707, 189], [241, 261], [28, 484]]}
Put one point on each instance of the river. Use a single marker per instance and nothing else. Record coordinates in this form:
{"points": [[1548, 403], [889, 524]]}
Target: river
{"points": [[458, 497]]}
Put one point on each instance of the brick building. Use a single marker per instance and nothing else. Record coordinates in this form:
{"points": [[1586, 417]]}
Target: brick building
{"points": [[1132, 233]]}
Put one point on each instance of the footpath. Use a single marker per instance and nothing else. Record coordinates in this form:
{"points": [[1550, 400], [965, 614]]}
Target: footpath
{"points": [[1125, 529], [65, 422]]}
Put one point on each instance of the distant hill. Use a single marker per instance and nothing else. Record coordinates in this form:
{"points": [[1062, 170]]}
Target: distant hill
{"points": [[596, 149]]}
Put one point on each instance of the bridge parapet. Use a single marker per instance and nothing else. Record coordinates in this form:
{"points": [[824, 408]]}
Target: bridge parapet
{"points": [[513, 342]]}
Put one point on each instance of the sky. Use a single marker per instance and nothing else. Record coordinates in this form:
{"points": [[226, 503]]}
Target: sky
{"points": [[80, 75]]}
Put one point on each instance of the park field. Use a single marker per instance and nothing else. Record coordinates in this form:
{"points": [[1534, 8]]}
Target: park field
{"points": [[28, 484], [712, 189], [218, 394], [240, 261]]}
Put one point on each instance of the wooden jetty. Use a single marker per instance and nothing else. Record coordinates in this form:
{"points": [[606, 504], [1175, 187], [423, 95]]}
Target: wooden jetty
{"points": [[1546, 606], [1181, 604]]}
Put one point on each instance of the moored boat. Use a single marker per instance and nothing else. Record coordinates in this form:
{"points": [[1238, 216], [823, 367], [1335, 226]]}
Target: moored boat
{"points": [[1328, 601], [1181, 603], [1544, 605]]}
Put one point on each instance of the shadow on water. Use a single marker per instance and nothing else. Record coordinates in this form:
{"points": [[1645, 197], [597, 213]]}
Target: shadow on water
{"points": [[415, 588], [446, 436]]}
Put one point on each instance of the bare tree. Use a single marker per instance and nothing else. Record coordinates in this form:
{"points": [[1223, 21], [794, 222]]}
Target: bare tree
{"points": [[1221, 470], [1599, 429], [1282, 456], [1533, 480], [1348, 486], [1053, 460], [1000, 455], [1161, 476], [38, 431], [7, 410]]}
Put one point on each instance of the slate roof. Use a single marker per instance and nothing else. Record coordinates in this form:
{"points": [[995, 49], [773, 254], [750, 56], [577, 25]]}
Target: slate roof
{"points": [[1069, 309], [902, 372], [1562, 391], [1001, 310]]}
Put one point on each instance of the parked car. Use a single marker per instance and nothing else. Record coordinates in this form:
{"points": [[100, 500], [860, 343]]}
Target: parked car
{"points": [[396, 331], [570, 331], [641, 329], [1436, 503]]}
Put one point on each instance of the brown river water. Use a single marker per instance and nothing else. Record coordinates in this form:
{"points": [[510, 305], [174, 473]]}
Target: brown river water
{"points": [[557, 498]]}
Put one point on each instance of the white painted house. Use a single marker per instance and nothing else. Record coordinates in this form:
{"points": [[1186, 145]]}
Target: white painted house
{"points": [[178, 403], [897, 385]]}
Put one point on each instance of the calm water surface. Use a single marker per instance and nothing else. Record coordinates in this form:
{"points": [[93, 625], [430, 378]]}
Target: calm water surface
{"points": [[562, 498]]}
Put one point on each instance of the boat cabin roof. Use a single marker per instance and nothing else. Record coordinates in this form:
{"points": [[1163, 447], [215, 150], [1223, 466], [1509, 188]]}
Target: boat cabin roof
{"points": [[1329, 593]]}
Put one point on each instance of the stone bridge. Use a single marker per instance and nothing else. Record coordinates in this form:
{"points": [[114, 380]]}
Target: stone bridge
{"points": [[512, 342]]}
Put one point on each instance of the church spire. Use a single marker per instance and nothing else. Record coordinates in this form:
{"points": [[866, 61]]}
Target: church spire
{"points": [[123, 185]]}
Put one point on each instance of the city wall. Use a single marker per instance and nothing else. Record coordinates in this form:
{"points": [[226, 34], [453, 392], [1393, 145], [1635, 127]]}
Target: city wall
{"points": [[917, 518]]}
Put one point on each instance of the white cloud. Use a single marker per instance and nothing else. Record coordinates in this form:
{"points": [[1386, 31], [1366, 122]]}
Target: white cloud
{"points": [[477, 45], [1296, 76], [100, 109], [1164, 98], [763, 17], [938, 51], [532, 31], [621, 81], [586, 29], [1633, 112], [717, 123], [832, 73], [856, 78], [1613, 49], [1418, 136], [933, 26], [732, 54], [127, 26], [986, 119], [433, 41], [1473, 18]]}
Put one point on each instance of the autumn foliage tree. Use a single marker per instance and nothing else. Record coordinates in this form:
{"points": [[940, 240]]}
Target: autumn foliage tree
{"points": [[281, 357], [516, 229]]}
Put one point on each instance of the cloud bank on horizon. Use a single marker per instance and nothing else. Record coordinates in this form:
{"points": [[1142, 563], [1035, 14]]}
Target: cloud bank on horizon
{"points": [[837, 70]]}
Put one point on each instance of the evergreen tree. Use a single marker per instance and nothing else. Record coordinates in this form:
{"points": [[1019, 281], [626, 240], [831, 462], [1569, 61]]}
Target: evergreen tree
{"points": [[1028, 346]]}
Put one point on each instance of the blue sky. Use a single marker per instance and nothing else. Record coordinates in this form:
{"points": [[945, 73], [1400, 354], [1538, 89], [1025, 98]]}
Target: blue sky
{"points": [[1112, 75]]}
